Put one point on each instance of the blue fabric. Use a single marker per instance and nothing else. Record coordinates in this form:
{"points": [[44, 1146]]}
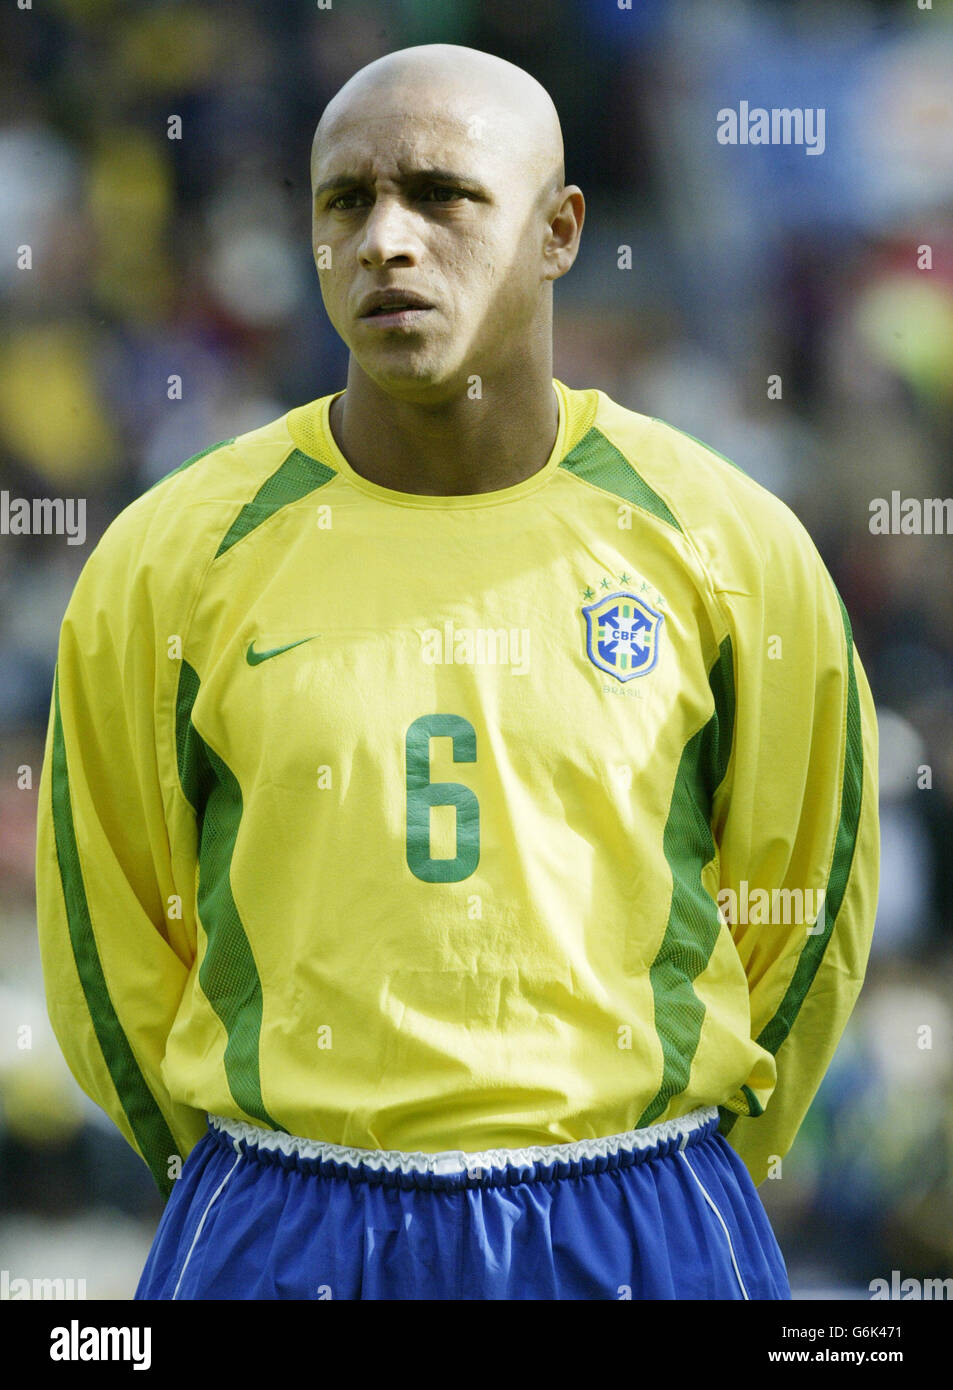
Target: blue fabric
{"points": [[632, 1225]]}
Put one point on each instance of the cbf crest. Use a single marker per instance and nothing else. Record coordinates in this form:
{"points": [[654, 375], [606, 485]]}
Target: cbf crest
{"points": [[622, 635]]}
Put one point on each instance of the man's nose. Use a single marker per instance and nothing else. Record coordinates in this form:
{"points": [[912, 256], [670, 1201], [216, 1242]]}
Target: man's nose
{"points": [[389, 234]]}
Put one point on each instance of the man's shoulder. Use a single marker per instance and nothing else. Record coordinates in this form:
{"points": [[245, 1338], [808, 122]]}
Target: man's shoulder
{"points": [[191, 509], [690, 475], [736, 525], [166, 539], [228, 472]]}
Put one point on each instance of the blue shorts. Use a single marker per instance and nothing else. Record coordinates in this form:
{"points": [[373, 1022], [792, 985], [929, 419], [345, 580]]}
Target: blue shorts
{"points": [[667, 1212]]}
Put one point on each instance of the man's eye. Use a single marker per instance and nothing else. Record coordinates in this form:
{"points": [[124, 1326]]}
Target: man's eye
{"points": [[443, 188], [438, 193]]}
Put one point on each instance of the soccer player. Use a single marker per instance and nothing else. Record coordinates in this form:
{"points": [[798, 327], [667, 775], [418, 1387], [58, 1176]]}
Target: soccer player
{"points": [[415, 764]]}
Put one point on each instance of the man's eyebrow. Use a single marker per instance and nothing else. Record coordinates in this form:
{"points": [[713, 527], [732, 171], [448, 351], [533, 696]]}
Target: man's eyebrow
{"points": [[434, 175]]}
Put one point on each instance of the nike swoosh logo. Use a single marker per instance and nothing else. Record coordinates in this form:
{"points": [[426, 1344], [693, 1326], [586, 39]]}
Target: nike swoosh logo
{"points": [[256, 658]]}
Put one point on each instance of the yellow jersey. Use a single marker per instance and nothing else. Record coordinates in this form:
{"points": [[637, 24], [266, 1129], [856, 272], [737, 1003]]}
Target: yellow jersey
{"points": [[437, 822]]}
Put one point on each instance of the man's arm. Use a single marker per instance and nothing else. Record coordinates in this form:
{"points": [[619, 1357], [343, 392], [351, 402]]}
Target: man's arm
{"points": [[115, 904], [797, 814]]}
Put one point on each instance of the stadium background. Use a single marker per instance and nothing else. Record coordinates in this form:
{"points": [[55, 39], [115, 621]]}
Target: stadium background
{"points": [[154, 257]]}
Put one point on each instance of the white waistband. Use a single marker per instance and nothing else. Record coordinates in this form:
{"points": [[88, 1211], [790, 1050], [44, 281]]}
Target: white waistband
{"points": [[456, 1160]]}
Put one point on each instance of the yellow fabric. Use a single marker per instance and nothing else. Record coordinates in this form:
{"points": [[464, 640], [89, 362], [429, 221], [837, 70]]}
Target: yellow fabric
{"points": [[530, 999]]}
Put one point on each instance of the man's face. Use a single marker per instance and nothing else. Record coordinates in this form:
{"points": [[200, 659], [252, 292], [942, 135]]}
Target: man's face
{"points": [[434, 203]]}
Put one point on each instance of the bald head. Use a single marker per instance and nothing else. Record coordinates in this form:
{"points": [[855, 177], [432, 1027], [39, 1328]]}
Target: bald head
{"points": [[496, 104], [438, 181]]}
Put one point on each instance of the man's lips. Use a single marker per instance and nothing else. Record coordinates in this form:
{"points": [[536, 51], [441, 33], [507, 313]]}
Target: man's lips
{"points": [[393, 304], [395, 318]]}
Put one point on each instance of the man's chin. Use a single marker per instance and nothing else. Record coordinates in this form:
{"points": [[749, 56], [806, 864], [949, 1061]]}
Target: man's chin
{"points": [[413, 379]]}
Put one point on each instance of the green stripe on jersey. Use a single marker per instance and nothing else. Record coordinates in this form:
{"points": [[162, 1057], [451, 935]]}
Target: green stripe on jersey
{"points": [[774, 1033], [188, 462], [596, 460], [727, 1118], [146, 1120], [694, 921], [717, 452], [297, 476], [228, 974], [754, 1105]]}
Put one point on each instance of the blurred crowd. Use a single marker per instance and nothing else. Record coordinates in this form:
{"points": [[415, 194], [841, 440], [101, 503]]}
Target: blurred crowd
{"points": [[149, 257]]}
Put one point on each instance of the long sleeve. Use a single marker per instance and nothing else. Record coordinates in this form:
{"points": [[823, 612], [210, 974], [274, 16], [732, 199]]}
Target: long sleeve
{"points": [[797, 819], [115, 905]]}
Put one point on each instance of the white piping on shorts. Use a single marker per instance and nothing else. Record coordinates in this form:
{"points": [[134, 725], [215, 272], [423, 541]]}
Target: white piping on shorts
{"points": [[708, 1199], [457, 1161], [198, 1229]]}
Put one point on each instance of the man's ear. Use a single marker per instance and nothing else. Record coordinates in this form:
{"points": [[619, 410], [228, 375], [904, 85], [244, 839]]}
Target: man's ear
{"points": [[565, 230]]}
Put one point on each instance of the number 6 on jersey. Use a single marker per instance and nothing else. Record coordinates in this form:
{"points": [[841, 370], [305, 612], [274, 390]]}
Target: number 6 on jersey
{"points": [[422, 794]]}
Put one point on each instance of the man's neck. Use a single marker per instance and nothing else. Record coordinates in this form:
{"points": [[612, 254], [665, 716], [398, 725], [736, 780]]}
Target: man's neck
{"points": [[460, 447]]}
